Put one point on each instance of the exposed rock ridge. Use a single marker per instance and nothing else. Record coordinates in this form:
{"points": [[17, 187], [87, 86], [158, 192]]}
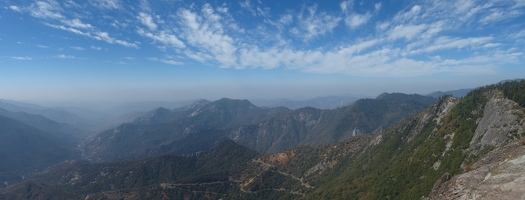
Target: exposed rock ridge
{"points": [[500, 174], [502, 121]]}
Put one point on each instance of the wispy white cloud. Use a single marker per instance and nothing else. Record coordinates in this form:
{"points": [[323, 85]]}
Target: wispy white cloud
{"points": [[95, 48], [15, 8], [377, 7], [263, 11], [166, 61], [78, 48], [517, 35], [163, 37], [21, 58], [206, 33], [207, 40], [54, 15], [106, 4], [491, 45], [313, 24], [346, 6], [286, 19], [69, 29], [76, 23], [409, 16], [499, 15], [127, 44], [62, 56], [247, 5], [406, 31], [355, 20], [410, 43], [104, 36], [42, 46], [147, 20], [50, 9], [443, 43]]}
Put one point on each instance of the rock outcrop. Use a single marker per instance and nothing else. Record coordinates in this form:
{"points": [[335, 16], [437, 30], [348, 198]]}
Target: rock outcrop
{"points": [[502, 121], [499, 174]]}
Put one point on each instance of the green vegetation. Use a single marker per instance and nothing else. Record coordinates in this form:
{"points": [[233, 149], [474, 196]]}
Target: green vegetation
{"points": [[412, 156], [514, 90], [403, 162]]}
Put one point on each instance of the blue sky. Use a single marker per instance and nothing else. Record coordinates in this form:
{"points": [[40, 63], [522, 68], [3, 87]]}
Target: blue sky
{"points": [[179, 50]]}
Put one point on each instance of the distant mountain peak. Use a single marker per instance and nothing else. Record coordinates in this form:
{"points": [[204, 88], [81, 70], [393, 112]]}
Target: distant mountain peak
{"points": [[240, 103], [386, 95], [510, 80], [155, 116], [161, 109], [199, 102], [455, 93]]}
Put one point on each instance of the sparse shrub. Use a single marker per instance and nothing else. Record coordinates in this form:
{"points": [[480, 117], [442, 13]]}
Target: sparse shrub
{"points": [[468, 168], [523, 142]]}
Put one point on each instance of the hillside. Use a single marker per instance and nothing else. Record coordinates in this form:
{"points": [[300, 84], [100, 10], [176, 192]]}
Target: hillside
{"points": [[182, 131], [205, 176], [414, 158], [62, 131], [55, 114], [457, 148], [24, 148], [197, 127], [309, 126], [455, 93], [324, 102]]}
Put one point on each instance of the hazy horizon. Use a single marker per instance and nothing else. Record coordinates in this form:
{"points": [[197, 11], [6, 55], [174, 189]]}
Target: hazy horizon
{"points": [[111, 50]]}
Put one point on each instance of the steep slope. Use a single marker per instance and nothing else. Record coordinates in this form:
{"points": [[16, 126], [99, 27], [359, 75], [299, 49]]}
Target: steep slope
{"points": [[198, 127], [457, 148], [480, 134], [407, 161], [309, 126], [163, 115], [24, 148], [209, 175], [324, 102], [62, 131], [57, 115], [500, 172], [190, 130], [455, 93]]}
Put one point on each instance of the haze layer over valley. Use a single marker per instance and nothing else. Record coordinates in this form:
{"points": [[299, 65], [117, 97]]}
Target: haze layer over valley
{"points": [[250, 99], [233, 149]]}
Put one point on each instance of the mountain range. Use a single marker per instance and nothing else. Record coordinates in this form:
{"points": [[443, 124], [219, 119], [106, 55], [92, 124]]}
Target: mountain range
{"points": [[197, 127], [24, 148], [395, 146], [187, 130], [324, 102]]}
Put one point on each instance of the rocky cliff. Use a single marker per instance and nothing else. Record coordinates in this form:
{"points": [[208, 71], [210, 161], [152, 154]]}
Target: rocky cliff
{"points": [[467, 148], [499, 174]]}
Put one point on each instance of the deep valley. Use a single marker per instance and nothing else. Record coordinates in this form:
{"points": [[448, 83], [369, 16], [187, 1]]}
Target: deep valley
{"points": [[395, 146]]}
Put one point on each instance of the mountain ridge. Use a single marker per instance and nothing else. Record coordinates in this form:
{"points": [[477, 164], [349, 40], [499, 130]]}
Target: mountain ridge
{"points": [[24, 148], [261, 129], [455, 148]]}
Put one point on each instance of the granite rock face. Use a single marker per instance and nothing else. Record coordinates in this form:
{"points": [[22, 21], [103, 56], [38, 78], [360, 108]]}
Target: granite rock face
{"points": [[499, 174], [502, 121]]}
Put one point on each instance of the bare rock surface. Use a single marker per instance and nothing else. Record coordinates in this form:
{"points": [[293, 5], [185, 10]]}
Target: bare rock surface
{"points": [[502, 121], [499, 174]]}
